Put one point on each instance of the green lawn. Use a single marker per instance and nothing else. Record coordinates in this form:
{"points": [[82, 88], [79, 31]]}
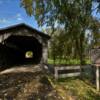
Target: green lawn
{"points": [[70, 61]]}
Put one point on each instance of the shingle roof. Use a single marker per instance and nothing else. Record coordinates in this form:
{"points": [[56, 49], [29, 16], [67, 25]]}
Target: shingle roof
{"points": [[25, 25]]}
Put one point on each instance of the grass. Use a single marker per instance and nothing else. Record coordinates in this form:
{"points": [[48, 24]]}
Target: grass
{"points": [[78, 89], [67, 62]]}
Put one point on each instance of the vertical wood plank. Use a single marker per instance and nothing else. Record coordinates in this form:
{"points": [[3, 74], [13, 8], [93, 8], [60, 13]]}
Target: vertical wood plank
{"points": [[56, 73], [97, 78], [45, 52]]}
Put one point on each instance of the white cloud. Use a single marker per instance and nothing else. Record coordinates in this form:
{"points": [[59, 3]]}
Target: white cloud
{"points": [[18, 15], [3, 21], [19, 19]]}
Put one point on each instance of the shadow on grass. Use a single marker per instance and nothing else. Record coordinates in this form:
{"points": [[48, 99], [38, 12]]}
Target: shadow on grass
{"points": [[79, 88]]}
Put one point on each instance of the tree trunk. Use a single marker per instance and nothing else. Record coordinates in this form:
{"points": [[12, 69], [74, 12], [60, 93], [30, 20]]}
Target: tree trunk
{"points": [[82, 49]]}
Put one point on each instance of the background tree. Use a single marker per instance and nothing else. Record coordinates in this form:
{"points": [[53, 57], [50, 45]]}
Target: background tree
{"points": [[95, 28], [73, 15], [98, 5]]}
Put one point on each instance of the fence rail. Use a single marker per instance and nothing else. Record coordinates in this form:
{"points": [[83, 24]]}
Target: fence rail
{"points": [[70, 71]]}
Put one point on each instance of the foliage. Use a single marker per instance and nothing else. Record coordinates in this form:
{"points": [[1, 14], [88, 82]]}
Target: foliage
{"points": [[29, 54], [64, 48], [64, 12], [98, 5], [73, 15], [95, 27]]}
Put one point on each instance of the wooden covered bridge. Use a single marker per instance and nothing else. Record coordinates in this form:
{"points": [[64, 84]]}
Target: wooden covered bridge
{"points": [[21, 44]]}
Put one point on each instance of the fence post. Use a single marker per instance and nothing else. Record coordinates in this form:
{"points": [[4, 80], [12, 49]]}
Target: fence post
{"points": [[97, 78], [56, 73]]}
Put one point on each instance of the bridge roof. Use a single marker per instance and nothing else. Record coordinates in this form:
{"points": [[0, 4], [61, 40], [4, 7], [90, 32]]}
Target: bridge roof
{"points": [[12, 27]]}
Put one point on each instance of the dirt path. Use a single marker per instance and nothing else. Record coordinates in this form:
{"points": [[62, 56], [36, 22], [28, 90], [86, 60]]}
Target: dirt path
{"points": [[26, 83]]}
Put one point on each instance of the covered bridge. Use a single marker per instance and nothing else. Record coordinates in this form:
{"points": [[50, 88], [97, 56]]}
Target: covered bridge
{"points": [[21, 44]]}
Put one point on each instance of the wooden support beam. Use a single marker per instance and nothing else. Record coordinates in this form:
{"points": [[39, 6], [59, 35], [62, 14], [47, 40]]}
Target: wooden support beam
{"points": [[97, 78], [56, 73]]}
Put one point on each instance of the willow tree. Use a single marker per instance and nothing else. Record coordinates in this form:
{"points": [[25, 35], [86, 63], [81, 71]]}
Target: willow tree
{"points": [[73, 15]]}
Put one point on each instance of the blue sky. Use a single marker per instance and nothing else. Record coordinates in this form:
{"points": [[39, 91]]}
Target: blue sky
{"points": [[11, 13], [95, 13]]}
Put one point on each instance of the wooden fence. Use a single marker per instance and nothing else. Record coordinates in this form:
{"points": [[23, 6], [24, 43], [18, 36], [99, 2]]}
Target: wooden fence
{"points": [[66, 71]]}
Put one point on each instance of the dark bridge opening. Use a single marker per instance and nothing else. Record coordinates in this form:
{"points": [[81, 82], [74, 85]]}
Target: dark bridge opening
{"points": [[20, 50]]}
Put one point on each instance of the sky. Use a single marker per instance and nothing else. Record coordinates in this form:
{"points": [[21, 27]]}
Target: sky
{"points": [[11, 13], [95, 13]]}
